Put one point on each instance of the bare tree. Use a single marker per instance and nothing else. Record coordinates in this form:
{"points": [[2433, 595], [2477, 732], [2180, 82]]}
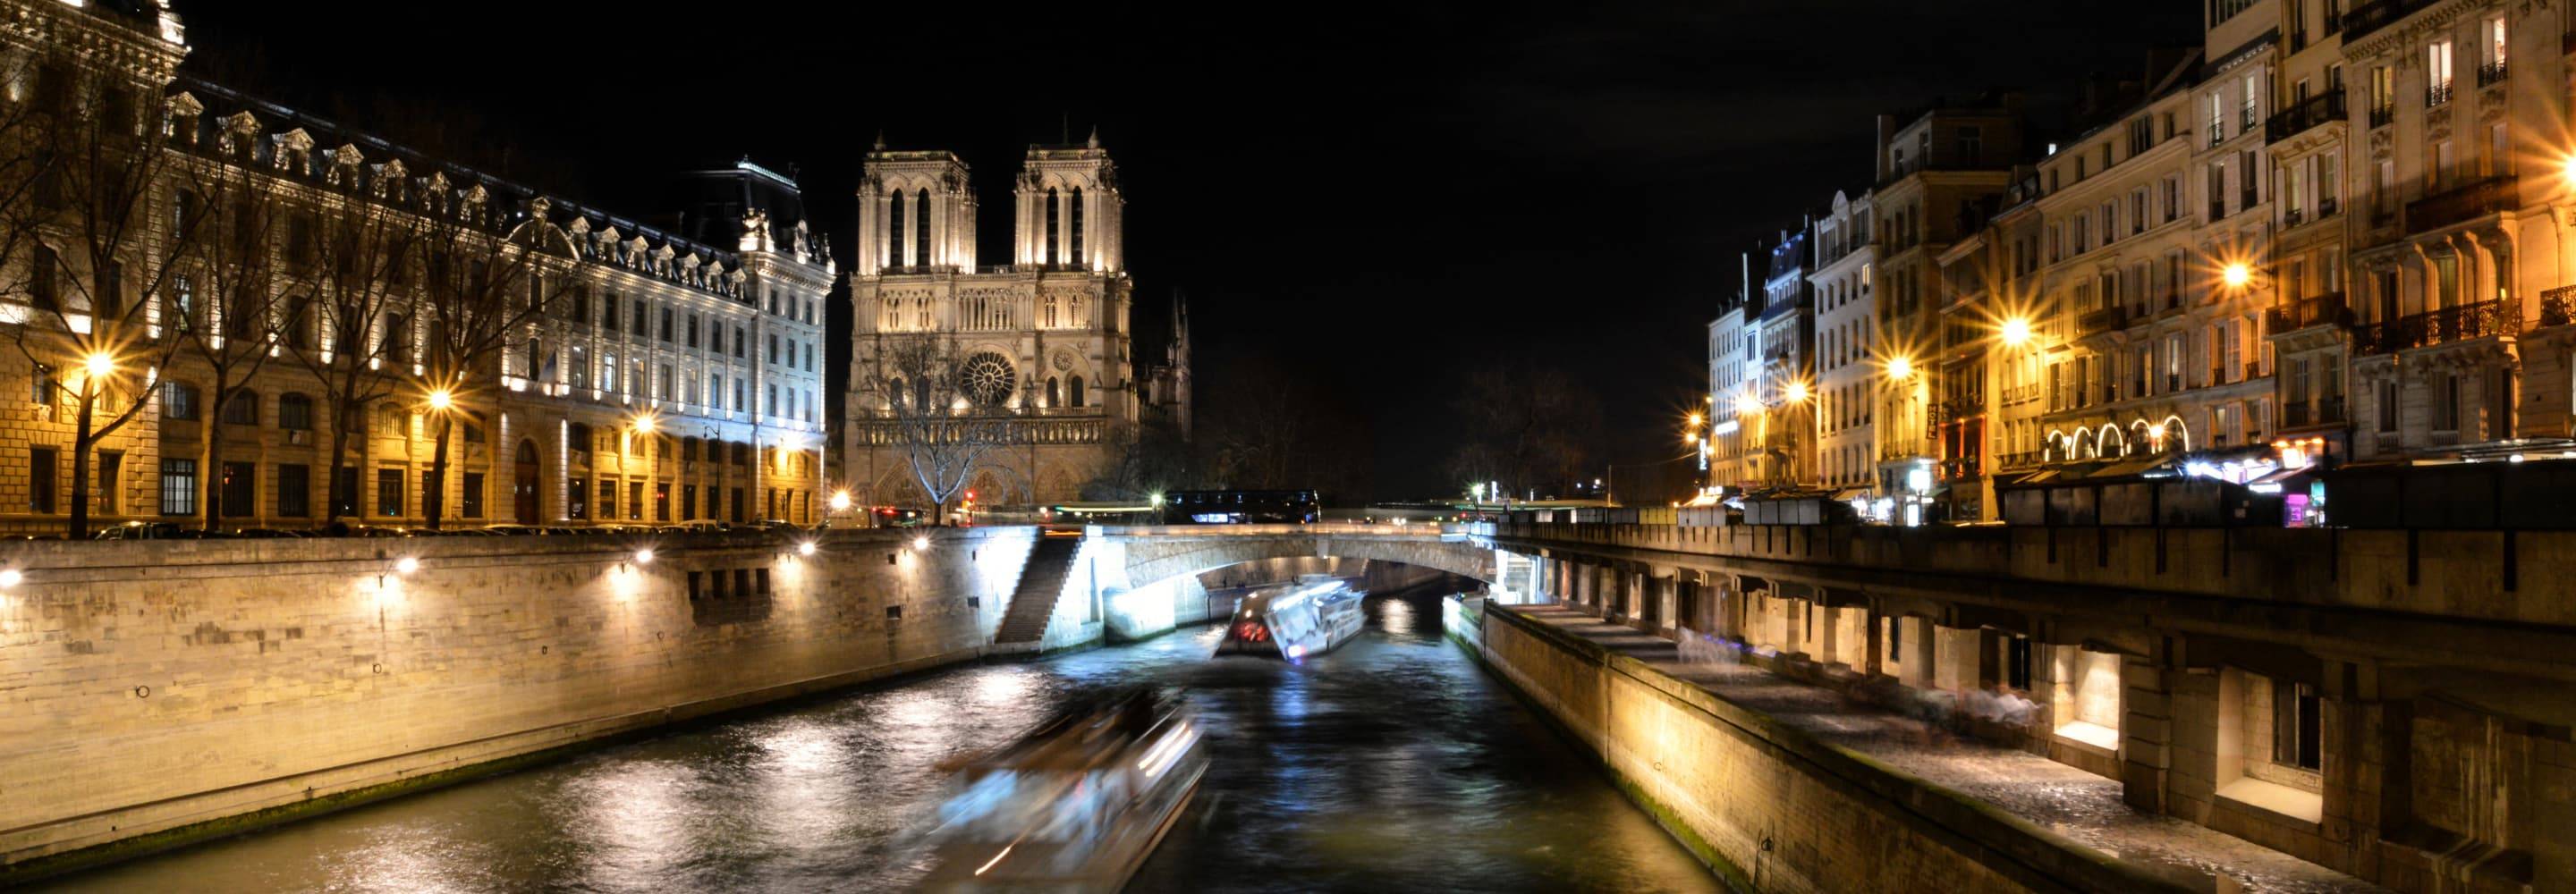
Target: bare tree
{"points": [[486, 298], [225, 308], [355, 332], [84, 210], [1147, 458], [1527, 427], [943, 408]]}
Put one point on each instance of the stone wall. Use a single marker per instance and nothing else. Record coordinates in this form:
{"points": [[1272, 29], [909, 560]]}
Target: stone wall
{"points": [[152, 691], [1768, 807]]}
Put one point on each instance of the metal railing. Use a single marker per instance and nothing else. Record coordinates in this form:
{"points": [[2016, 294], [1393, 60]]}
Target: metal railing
{"points": [[2491, 73], [2315, 110], [2469, 200], [2558, 306], [2324, 411], [2383, 113], [2100, 321], [2449, 324], [2319, 310], [2436, 94], [2370, 17]]}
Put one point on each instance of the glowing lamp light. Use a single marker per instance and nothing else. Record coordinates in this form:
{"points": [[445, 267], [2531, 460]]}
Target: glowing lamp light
{"points": [[440, 400], [1695, 420], [2016, 332], [100, 365], [406, 565], [1745, 404], [644, 425], [2236, 275], [9, 577], [805, 549], [1156, 500], [1900, 368], [1797, 392], [2568, 169], [920, 542], [644, 556], [840, 501]]}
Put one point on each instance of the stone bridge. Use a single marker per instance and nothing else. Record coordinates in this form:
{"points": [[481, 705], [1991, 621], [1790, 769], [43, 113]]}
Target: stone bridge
{"points": [[1141, 580]]}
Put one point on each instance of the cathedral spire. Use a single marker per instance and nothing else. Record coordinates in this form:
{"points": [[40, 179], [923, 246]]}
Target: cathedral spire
{"points": [[1094, 142], [880, 139]]}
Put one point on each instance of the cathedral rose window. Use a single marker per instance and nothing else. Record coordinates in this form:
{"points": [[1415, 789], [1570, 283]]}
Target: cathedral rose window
{"points": [[986, 380]]}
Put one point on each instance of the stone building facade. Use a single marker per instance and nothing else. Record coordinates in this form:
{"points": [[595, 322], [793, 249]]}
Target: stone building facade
{"points": [[1052, 325], [648, 378], [1846, 329]]}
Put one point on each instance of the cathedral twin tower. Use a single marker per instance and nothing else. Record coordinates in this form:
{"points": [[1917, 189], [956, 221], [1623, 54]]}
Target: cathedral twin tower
{"points": [[1044, 338]]}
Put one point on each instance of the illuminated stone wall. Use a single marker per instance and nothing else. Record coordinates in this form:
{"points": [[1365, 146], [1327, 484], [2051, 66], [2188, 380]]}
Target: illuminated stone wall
{"points": [[1768, 807], [153, 685]]}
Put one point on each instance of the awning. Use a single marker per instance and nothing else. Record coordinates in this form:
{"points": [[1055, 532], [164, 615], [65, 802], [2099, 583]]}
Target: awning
{"points": [[2283, 476], [1849, 494]]}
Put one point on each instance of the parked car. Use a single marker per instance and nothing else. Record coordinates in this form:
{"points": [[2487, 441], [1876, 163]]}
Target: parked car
{"points": [[139, 530]]}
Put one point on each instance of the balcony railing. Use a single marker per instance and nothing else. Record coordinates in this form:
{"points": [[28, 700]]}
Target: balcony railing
{"points": [[2100, 321], [2297, 119], [2437, 93], [2467, 201], [2558, 306], [2450, 324], [2321, 310], [2325, 411], [2381, 114], [2491, 72]]}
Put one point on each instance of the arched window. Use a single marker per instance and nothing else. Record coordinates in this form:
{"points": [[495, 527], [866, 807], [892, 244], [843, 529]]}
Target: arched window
{"points": [[1074, 211], [895, 219], [894, 394], [1054, 394], [921, 225], [242, 409], [921, 394], [294, 412], [1078, 393], [1054, 213]]}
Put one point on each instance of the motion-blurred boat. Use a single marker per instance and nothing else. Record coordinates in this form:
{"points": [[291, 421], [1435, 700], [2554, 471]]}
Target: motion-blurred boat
{"points": [[1311, 617], [1074, 805]]}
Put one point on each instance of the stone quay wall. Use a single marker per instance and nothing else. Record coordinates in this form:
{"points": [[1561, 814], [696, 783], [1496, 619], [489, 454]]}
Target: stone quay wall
{"points": [[156, 692], [1766, 806]]}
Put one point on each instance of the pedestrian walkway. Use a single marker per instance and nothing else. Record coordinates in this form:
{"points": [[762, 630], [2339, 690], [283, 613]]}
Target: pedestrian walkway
{"points": [[2080, 806]]}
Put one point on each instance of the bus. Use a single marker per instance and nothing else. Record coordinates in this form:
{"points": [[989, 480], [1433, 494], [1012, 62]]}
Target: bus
{"points": [[1241, 507]]}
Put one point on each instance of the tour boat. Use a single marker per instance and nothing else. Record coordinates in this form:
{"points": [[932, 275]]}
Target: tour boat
{"points": [[1295, 622], [1074, 805]]}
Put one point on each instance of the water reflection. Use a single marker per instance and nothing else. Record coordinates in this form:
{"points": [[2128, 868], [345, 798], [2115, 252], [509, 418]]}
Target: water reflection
{"points": [[1390, 764]]}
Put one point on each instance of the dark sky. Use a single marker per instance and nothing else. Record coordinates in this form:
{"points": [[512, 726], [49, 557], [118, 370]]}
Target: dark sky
{"points": [[1380, 191]]}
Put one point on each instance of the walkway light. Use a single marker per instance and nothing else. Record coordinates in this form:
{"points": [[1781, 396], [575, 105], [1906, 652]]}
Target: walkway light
{"points": [[9, 577], [841, 500], [1695, 420], [805, 549], [406, 565], [644, 556], [1156, 500], [2016, 332], [920, 542]]}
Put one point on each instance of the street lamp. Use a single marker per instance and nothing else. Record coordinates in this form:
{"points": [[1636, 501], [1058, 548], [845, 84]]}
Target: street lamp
{"points": [[1900, 368], [100, 365], [2236, 274], [441, 399], [2016, 332], [1797, 392], [644, 423], [841, 500]]}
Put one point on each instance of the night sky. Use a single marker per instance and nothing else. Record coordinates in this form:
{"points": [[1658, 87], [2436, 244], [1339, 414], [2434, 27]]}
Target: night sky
{"points": [[1381, 193]]}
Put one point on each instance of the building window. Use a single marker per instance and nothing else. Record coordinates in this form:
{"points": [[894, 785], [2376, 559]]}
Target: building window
{"points": [[178, 487], [294, 490], [389, 492], [178, 401], [242, 409], [294, 412], [41, 474], [2297, 721], [239, 490], [2437, 73]]}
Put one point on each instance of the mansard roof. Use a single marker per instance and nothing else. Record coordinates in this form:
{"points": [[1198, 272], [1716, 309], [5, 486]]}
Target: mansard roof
{"points": [[398, 174]]}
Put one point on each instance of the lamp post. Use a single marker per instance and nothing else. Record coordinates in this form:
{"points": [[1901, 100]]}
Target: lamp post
{"points": [[433, 500]]}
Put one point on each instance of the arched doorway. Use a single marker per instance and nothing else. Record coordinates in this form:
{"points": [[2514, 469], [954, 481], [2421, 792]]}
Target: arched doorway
{"points": [[523, 490]]}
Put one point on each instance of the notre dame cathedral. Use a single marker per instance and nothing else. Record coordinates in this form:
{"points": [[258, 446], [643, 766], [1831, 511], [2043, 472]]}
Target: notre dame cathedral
{"points": [[1044, 339]]}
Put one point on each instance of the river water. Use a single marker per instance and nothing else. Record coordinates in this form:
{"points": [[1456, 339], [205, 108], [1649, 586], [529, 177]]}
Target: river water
{"points": [[1391, 764]]}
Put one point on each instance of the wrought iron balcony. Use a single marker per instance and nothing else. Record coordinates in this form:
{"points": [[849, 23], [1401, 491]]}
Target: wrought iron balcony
{"points": [[2491, 72], [2436, 94], [2100, 321], [2321, 310], [2325, 411], [2381, 114], [2309, 113], [2450, 324], [2464, 202], [2558, 306]]}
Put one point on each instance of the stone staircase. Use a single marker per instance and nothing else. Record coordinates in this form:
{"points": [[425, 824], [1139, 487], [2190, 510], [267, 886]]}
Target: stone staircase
{"points": [[1041, 582]]}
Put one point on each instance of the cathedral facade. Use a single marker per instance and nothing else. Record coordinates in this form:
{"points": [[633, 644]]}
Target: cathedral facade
{"points": [[1042, 342]]}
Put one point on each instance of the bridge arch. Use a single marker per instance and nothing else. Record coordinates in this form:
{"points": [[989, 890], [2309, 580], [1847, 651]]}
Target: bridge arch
{"points": [[1154, 559]]}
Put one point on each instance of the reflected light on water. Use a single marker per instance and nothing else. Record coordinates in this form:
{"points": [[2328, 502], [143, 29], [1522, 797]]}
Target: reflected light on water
{"points": [[634, 821], [1395, 616]]}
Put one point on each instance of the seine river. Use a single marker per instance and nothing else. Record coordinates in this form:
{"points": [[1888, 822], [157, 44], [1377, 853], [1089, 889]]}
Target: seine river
{"points": [[1392, 764]]}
